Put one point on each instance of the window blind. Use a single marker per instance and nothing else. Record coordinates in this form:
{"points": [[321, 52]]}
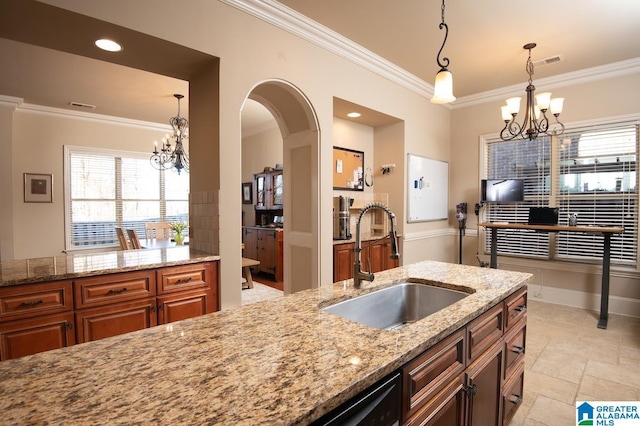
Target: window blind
{"points": [[589, 171], [108, 188]]}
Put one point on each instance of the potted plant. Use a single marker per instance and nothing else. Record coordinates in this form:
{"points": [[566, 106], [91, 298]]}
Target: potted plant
{"points": [[177, 228]]}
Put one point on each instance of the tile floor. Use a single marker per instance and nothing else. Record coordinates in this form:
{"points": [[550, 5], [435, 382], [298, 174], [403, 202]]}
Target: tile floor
{"points": [[568, 358]]}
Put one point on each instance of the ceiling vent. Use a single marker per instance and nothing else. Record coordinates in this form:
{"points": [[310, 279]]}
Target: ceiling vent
{"points": [[548, 61], [81, 105]]}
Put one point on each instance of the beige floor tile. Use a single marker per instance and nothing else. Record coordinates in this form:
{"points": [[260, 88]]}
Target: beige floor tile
{"points": [[551, 412], [549, 386], [596, 389], [560, 366], [613, 372]]}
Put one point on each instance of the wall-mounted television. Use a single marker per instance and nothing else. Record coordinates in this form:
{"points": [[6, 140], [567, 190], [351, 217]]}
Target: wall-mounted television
{"points": [[502, 190]]}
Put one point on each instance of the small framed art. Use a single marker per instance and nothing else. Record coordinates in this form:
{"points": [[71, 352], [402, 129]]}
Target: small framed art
{"points": [[38, 188], [247, 193]]}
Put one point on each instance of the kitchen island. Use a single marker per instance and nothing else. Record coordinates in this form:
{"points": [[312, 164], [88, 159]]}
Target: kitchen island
{"points": [[284, 361]]}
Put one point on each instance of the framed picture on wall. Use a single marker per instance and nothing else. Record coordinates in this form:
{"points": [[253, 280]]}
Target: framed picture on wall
{"points": [[247, 193], [38, 188]]}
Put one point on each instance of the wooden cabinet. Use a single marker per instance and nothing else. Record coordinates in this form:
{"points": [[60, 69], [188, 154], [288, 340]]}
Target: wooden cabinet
{"points": [[473, 377], [44, 316], [35, 318], [266, 246], [379, 251], [268, 190], [182, 292], [250, 241]]}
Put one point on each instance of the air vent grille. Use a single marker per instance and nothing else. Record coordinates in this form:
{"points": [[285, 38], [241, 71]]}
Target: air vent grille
{"points": [[548, 61], [82, 105]]}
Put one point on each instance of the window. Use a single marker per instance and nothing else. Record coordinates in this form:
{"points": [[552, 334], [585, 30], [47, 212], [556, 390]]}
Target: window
{"points": [[590, 171], [105, 189]]}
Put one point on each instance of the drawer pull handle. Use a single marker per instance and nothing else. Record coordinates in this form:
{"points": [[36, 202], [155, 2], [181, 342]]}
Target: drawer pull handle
{"points": [[516, 401], [69, 325], [184, 280], [471, 390], [518, 350], [31, 303], [117, 290], [521, 308]]}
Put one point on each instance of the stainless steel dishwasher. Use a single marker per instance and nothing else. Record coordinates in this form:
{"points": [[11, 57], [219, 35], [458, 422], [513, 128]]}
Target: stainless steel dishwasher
{"points": [[379, 405]]}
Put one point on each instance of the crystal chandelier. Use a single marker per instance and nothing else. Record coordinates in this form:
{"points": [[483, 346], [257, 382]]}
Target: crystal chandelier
{"points": [[443, 88], [532, 125], [173, 156]]}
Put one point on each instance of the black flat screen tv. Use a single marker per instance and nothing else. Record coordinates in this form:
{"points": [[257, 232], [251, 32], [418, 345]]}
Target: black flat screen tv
{"points": [[502, 190]]}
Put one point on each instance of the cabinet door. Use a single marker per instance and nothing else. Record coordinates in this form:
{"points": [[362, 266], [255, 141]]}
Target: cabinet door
{"points": [[250, 243], [30, 336], [261, 190], [98, 323], [484, 387], [267, 250], [183, 305], [445, 409], [343, 258], [277, 190]]}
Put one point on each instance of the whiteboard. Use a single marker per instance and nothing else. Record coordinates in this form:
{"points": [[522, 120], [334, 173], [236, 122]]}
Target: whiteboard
{"points": [[428, 189]]}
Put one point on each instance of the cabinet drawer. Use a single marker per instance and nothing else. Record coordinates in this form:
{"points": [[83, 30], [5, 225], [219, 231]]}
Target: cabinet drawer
{"points": [[181, 306], [35, 299], [34, 335], [187, 277], [445, 409], [514, 347], [484, 331], [108, 321], [516, 305], [431, 372], [113, 288], [512, 394]]}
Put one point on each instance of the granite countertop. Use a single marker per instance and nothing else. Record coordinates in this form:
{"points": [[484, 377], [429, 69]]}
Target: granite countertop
{"points": [[16, 272], [278, 362]]}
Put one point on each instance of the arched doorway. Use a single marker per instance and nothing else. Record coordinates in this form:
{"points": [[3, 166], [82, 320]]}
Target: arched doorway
{"points": [[298, 125]]}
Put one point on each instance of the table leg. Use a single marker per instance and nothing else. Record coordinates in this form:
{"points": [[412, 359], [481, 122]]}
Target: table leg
{"points": [[604, 293], [494, 249], [247, 275]]}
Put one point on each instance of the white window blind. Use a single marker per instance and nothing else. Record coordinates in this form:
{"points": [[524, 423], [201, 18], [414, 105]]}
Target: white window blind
{"points": [[590, 171], [105, 189], [598, 182], [529, 161]]}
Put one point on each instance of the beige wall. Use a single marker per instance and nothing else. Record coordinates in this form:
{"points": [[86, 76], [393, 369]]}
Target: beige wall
{"points": [[596, 100], [38, 140]]}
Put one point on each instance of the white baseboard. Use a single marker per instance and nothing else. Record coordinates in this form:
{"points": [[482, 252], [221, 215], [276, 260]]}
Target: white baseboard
{"points": [[578, 299]]}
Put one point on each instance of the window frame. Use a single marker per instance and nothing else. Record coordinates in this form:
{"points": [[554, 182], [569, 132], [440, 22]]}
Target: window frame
{"points": [[555, 197], [70, 150]]}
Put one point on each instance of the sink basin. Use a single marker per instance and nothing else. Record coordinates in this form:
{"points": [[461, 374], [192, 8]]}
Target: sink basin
{"points": [[397, 306]]}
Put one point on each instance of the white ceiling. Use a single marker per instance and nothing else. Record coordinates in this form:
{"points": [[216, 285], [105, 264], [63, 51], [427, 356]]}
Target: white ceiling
{"points": [[484, 46]]}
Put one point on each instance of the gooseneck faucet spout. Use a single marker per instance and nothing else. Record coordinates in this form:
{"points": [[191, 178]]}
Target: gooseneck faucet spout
{"points": [[358, 273]]}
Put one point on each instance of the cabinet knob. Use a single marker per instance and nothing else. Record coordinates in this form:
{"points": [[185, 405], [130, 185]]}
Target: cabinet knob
{"points": [[471, 390], [69, 325]]}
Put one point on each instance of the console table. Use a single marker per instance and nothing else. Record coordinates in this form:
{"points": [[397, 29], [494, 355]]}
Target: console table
{"points": [[606, 256]]}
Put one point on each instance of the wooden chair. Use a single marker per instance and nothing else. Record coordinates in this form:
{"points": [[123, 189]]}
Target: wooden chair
{"points": [[122, 239], [157, 230], [133, 239]]}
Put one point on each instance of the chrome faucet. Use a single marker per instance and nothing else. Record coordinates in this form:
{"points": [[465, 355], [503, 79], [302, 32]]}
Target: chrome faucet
{"points": [[358, 273]]}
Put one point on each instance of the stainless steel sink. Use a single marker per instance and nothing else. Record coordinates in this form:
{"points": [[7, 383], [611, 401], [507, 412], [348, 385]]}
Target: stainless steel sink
{"points": [[397, 306]]}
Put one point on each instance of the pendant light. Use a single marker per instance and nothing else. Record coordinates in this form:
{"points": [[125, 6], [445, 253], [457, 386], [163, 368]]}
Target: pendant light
{"points": [[443, 88]]}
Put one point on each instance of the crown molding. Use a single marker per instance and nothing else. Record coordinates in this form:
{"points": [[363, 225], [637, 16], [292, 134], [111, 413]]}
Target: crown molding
{"points": [[587, 75], [11, 100], [40, 109], [295, 23]]}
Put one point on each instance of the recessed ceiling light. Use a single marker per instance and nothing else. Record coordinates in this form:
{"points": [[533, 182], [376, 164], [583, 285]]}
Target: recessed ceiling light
{"points": [[354, 114], [108, 45]]}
